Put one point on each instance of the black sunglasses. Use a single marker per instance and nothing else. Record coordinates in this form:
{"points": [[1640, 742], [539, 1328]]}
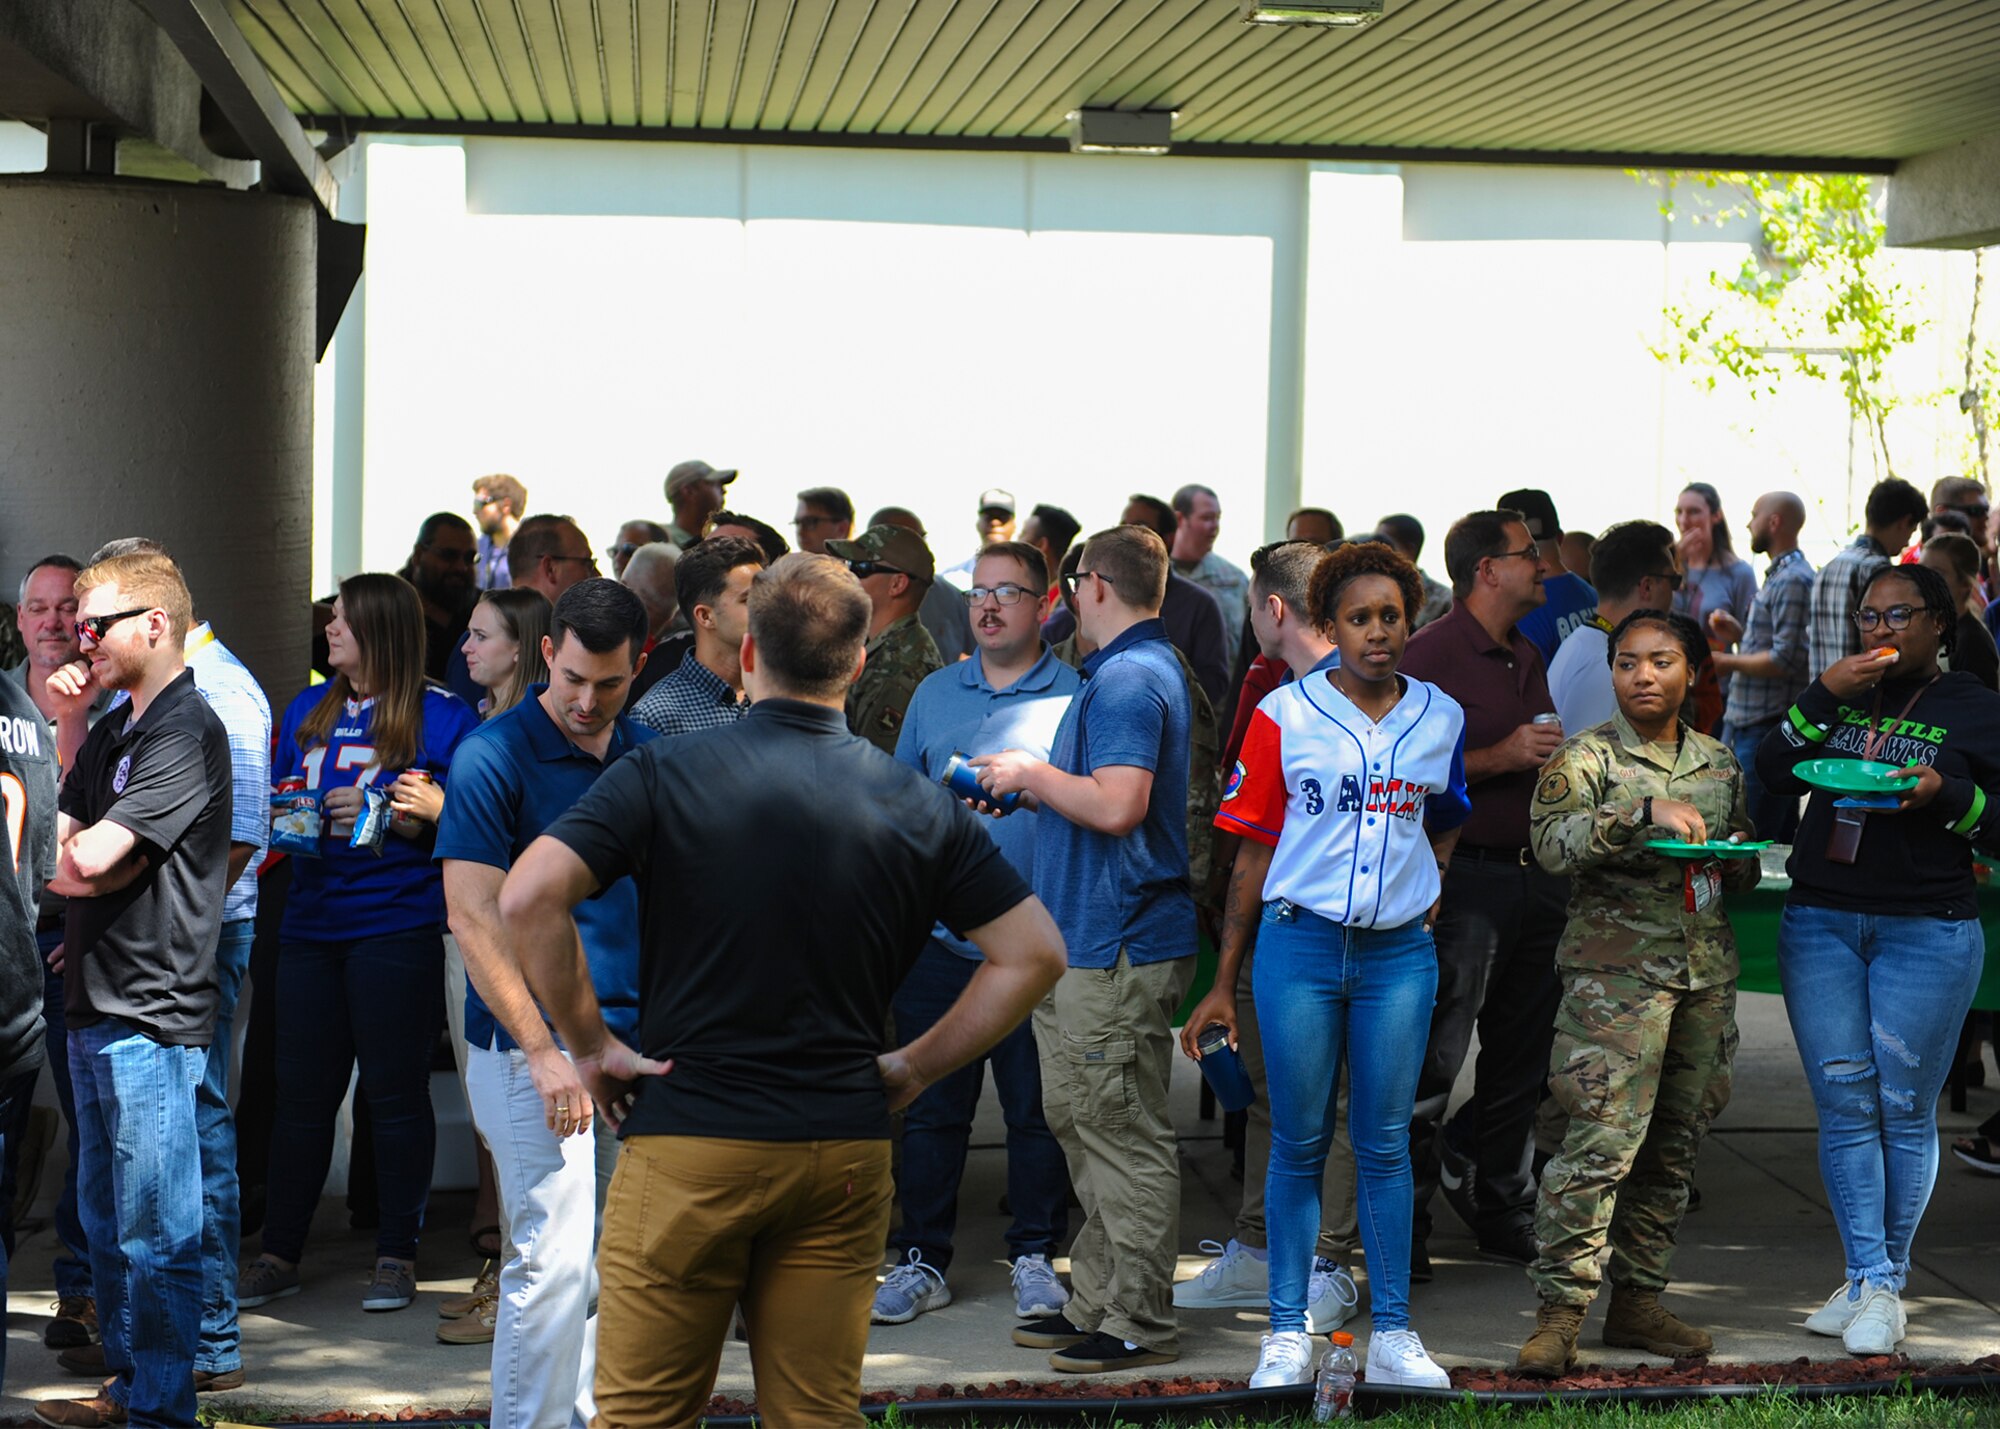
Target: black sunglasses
{"points": [[1070, 581], [95, 627], [865, 569], [1674, 579]]}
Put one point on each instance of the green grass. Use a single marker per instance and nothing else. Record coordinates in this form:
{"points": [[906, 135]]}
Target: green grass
{"points": [[1776, 1411]]}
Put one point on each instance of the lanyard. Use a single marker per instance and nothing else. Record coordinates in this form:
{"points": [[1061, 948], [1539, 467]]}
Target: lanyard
{"points": [[1875, 737]]}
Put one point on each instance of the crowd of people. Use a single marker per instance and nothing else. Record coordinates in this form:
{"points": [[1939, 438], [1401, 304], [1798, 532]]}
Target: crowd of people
{"points": [[665, 856]]}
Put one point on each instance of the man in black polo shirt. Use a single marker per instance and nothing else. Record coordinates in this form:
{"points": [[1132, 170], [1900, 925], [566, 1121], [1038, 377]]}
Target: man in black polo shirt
{"points": [[144, 835], [756, 1159]]}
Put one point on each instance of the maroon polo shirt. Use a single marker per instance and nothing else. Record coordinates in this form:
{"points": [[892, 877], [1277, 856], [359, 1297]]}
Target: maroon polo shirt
{"points": [[1501, 688]]}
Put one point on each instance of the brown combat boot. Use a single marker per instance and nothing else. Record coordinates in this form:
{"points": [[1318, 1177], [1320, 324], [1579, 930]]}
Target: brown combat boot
{"points": [[1551, 1351], [1638, 1321]]}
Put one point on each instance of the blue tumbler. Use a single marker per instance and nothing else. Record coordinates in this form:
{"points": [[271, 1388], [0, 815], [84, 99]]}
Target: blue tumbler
{"points": [[1224, 1069]]}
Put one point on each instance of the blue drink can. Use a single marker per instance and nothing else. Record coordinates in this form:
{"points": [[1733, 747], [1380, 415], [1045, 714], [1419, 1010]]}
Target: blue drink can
{"points": [[963, 780], [1224, 1069]]}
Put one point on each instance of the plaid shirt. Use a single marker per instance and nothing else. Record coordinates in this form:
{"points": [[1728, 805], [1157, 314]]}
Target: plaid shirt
{"points": [[692, 697], [1836, 591], [1777, 626]]}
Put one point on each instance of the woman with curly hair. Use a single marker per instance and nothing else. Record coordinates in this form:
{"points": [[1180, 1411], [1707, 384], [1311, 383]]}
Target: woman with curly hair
{"points": [[1347, 796]]}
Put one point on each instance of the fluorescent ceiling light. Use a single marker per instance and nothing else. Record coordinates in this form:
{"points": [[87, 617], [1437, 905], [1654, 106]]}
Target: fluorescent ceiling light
{"points": [[1312, 12], [1121, 131]]}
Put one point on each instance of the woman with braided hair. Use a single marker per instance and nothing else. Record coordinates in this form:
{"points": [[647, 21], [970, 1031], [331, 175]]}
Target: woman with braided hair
{"points": [[1880, 949]]}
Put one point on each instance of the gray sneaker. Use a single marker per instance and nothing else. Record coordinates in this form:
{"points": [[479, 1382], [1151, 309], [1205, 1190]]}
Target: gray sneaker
{"points": [[264, 1280], [394, 1286]]}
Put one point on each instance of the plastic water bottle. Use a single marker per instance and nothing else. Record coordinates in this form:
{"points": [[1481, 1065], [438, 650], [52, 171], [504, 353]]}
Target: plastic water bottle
{"points": [[1333, 1392]]}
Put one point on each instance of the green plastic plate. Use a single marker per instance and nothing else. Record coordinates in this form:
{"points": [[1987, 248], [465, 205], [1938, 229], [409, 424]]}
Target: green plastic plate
{"points": [[1854, 776], [1714, 848]]}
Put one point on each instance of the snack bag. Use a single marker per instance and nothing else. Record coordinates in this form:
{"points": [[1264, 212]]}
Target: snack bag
{"points": [[373, 825], [295, 819]]}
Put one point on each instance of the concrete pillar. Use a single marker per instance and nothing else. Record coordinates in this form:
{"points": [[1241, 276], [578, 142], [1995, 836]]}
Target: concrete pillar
{"points": [[1948, 198], [156, 379]]}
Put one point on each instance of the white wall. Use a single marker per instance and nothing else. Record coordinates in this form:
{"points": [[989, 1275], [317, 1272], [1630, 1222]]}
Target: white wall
{"points": [[916, 327]]}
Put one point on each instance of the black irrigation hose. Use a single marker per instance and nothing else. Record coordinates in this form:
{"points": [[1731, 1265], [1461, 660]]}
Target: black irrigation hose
{"points": [[1369, 1402]]}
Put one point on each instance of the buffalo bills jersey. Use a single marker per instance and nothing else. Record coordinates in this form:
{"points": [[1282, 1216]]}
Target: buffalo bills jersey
{"points": [[349, 893], [1347, 803]]}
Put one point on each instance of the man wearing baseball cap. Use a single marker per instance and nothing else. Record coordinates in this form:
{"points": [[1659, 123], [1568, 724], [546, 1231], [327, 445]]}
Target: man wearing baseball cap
{"points": [[694, 490], [1570, 601], [895, 568], [994, 524]]}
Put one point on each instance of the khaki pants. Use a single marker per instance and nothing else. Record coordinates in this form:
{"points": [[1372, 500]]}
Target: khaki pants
{"points": [[793, 1229], [1107, 1049], [1338, 1229]]}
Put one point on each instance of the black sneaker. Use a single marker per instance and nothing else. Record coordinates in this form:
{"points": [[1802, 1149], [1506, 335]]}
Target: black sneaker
{"points": [[75, 1323], [1420, 1263], [1514, 1244], [1106, 1354], [1457, 1177], [1050, 1332]]}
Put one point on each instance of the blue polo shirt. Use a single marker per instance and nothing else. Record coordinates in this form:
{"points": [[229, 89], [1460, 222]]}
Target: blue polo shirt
{"points": [[956, 711], [1567, 607], [520, 773], [1109, 893]]}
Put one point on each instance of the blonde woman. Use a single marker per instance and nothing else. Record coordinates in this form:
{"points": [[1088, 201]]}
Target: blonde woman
{"points": [[503, 646]]}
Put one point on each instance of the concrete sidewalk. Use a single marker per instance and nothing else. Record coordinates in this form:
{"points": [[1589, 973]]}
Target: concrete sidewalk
{"points": [[1758, 1255]]}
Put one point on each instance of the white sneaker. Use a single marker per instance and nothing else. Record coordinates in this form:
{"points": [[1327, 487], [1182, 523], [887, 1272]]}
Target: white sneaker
{"points": [[1234, 1277], [908, 1290], [1397, 1357], [1330, 1297], [1878, 1324], [1037, 1292], [1287, 1358], [1838, 1312]]}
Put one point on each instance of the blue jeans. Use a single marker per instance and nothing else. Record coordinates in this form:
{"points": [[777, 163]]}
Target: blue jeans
{"points": [[938, 1124], [139, 1190], [221, 1345], [1876, 1004], [379, 1001], [1327, 991], [1776, 816]]}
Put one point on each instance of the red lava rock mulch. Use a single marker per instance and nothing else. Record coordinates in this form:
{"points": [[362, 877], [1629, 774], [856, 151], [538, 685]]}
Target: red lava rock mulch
{"points": [[1801, 1371], [1873, 1370]]}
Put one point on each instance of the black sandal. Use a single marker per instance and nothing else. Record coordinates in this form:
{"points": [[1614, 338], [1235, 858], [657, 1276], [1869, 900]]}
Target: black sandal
{"points": [[486, 1242]]}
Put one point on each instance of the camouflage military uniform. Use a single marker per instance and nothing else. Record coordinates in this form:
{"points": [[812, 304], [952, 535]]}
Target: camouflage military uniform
{"points": [[898, 660], [1646, 1032], [1204, 755]]}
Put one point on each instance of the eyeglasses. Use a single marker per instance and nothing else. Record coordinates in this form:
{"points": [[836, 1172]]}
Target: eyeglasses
{"points": [[1674, 579], [1975, 512], [1071, 580], [1007, 593], [800, 523], [1896, 617], [95, 627], [625, 549], [483, 502], [1529, 551], [590, 561], [865, 569]]}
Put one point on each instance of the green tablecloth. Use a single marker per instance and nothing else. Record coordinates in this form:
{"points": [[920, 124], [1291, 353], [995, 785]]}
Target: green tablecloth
{"points": [[1755, 915]]}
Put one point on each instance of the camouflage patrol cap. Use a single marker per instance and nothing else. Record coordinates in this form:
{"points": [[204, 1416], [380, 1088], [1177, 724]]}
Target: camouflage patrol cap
{"points": [[891, 545]]}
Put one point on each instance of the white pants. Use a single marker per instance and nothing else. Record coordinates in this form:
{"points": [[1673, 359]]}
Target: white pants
{"points": [[544, 1338]]}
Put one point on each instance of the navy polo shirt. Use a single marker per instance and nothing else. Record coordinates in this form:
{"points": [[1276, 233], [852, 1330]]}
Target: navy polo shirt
{"points": [[1132, 893], [510, 779]]}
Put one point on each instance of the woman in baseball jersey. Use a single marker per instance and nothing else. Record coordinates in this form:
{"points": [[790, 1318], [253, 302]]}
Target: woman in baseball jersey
{"points": [[361, 947], [1347, 796]]}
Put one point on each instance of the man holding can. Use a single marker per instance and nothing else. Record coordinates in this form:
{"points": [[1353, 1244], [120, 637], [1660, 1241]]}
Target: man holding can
{"points": [[1010, 694], [1501, 914]]}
